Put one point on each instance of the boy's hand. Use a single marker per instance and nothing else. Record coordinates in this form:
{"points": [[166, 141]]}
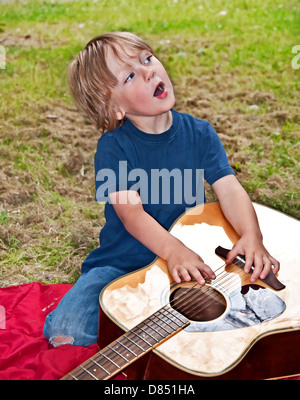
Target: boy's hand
{"points": [[184, 264], [255, 253], [239, 211]]}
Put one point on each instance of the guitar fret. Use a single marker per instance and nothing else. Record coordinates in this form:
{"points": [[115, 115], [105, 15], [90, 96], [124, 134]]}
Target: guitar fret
{"points": [[177, 315], [79, 373], [88, 372], [125, 351], [173, 318], [158, 329], [100, 366], [136, 344], [127, 348], [165, 323], [119, 354], [149, 334], [72, 376], [108, 359], [142, 338], [163, 326], [106, 368], [133, 344]]}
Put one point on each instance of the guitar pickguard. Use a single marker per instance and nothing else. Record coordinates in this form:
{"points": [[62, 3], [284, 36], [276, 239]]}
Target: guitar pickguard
{"points": [[246, 306]]}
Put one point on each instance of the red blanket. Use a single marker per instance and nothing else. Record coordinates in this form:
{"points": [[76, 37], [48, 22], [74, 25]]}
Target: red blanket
{"points": [[24, 352]]}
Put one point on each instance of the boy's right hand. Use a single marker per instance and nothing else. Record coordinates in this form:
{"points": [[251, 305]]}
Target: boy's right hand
{"points": [[185, 264]]}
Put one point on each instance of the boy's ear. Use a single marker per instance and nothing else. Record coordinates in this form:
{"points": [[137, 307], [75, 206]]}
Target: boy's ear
{"points": [[120, 114]]}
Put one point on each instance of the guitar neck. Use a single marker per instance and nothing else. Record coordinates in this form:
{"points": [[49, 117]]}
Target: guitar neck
{"points": [[125, 350]]}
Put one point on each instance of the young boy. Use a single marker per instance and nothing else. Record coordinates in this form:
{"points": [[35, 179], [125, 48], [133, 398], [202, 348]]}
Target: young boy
{"points": [[125, 90]]}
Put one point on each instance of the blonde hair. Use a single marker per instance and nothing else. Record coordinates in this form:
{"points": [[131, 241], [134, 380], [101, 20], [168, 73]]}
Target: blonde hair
{"points": [[91, 80]]}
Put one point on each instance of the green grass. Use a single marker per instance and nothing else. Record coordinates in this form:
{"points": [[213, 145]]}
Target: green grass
{"points": [[232, 55], [251, 33]]}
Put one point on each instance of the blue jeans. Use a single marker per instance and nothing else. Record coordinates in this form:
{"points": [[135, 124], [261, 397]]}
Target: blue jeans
{"points": [[77, 314]]}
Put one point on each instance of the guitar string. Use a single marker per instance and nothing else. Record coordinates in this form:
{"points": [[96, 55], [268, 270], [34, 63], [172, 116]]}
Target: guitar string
{"points": [[232, 278], [232, 284], [111, 353], [184, 296], [205, 296], [223, 275]]}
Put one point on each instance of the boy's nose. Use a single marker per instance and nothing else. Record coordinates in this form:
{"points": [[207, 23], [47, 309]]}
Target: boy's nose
{"points": [[149, 73]]}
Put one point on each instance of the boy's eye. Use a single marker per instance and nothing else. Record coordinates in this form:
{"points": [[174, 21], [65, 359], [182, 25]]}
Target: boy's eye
{"points": [[148, 59], [129, 77]]}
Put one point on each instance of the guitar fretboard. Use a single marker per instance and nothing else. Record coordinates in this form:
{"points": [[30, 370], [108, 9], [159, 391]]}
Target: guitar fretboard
{"points": [[145, 336]]}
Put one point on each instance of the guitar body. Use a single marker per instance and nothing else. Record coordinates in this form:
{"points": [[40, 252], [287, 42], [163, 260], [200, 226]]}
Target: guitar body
{"points": [[237, 330]]}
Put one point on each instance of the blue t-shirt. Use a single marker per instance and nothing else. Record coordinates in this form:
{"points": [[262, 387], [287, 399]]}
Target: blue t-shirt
{"points": [[167, 171]]}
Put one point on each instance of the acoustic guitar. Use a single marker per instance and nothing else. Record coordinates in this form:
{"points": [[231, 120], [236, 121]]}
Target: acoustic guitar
{"points": [[227, 329]]}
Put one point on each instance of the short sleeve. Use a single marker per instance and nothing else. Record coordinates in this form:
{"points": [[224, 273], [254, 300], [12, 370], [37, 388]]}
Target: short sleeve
{"points": [[214, 158], [111, 168]]}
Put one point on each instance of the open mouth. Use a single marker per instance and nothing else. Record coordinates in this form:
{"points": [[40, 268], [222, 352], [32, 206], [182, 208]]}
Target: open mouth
{"points": [[160, 88]]}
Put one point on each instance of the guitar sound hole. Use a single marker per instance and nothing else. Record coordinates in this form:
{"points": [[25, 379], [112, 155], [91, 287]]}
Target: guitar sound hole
{"points": [[198, 304]]}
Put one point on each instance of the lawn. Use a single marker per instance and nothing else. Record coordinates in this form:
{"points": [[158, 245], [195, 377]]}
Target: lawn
{"points": [[231, 64]]}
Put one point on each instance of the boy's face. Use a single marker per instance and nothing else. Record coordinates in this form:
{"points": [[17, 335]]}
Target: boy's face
{"points": [[144, 87]]}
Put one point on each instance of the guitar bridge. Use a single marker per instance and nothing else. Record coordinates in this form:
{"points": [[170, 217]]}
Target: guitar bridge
{"points": [[240, 261]]}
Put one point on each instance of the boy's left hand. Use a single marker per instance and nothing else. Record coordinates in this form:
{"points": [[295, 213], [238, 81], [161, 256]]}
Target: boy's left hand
{"points": [[255, 254]]}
